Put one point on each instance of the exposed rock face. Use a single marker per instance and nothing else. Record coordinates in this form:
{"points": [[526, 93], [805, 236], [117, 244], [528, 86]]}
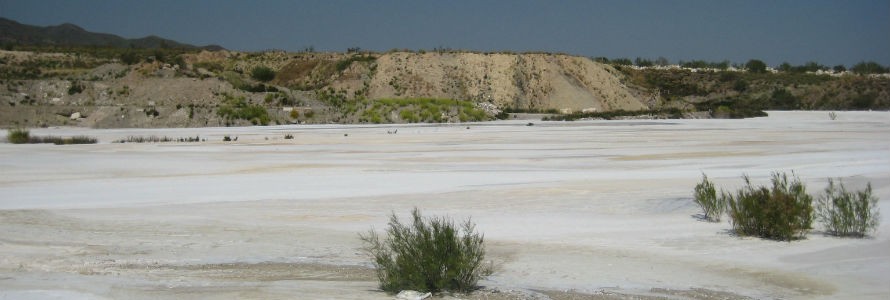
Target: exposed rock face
{"points": [[525, 81]]}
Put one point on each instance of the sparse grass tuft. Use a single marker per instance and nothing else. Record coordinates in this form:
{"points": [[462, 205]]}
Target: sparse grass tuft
{"points": [[430, 254]]}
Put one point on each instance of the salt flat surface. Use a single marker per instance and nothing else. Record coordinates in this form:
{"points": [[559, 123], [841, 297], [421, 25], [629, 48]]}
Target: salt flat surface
{"points": [[588, 206]]}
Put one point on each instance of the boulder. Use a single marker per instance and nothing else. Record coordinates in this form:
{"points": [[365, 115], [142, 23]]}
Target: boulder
{"points": [[75, 116]]}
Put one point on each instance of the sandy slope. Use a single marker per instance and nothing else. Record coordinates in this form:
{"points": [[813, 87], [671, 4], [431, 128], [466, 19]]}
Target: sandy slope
{"points": [[536, 81], [593, 208]]}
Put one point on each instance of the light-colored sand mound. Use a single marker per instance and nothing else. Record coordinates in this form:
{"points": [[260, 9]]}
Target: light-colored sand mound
{"points": [[539, 81]]}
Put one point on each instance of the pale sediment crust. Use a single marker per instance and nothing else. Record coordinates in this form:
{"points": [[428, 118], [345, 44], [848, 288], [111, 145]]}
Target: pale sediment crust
{"points": [[587, 210]]}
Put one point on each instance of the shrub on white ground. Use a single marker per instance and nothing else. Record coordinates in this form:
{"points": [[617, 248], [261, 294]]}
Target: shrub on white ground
{"points": [[845, 213]]}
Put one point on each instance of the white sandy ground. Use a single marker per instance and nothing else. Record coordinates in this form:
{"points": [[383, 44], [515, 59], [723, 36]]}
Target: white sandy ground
{"points": [[593, 207]]}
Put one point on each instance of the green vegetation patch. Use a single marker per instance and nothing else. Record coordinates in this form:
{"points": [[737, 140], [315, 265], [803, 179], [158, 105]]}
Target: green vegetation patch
{"points": [[18, 136], [786, 212], [23, 136], [344, 64], [157, 139], [262, 73], [239, 108], [430, 110], [667, 113], [240, 83], [408, 110]]}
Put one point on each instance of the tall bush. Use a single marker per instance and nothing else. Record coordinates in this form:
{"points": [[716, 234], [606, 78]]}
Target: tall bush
{"points": [[430, 254], [706, 196], [846, 213], [782, 212]]}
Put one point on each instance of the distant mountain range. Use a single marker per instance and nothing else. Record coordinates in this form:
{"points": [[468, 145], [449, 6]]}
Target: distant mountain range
{"points": [[12, 32]]}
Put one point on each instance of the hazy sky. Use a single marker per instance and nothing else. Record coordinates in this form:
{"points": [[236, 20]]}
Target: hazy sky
{"points": [[829, 32]]}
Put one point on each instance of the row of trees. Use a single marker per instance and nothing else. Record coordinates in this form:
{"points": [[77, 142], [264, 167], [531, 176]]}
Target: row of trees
{"points": [[753, 65]]}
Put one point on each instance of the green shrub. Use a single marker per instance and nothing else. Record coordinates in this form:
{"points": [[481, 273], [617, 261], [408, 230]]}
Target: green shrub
{"points": [[430, 254], [783, 212], [846, 213], [755, 66], [239, 83], [868, 68], [722, 112], [262, 73], [75, 88], [706, 197], [18, 136], [152, 112], [343, 64], [784, 100], [129, 58]]}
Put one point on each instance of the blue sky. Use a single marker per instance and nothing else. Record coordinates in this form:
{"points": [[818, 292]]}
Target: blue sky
{"points": [[828, 32]]}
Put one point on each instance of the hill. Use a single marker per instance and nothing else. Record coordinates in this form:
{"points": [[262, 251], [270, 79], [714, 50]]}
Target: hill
{"points": [[177, 89], [117, 87], [14, 33], [517, 81]]}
